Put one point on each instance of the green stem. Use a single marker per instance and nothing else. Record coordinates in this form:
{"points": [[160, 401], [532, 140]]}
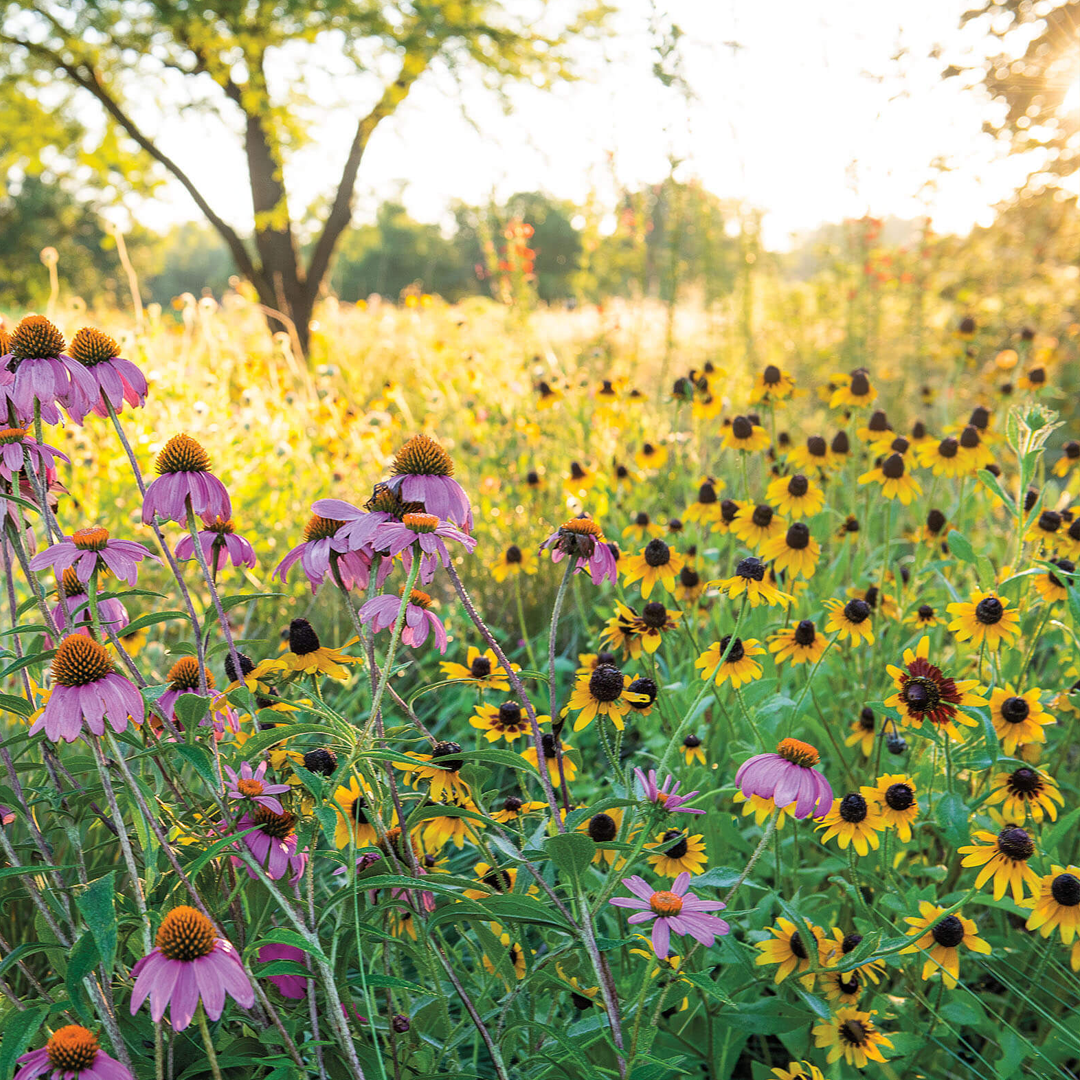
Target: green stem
{"points": [[556, 611], [763, 843], [395, 637], [211, 1055]]}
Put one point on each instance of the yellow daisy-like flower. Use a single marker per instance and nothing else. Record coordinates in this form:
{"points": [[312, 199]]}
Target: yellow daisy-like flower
{"points": [[547, 395], [837, 950], [896, 482], [863, 732], [1045, 529], [772, 385], [551, 759], [1021, 792], [606, 692], [796, 496], [926, 693], [755, 525], [1070, 458], [924, 617], [1034, 380], [877, 429], [841, 987], [589, 662], [1069, 543], [940, 939], [851, 1035], [729, 509], [482, 669], [850, 620], [986, 617], [506, 721], [514, 808], [642, 528], [788, 949], [1057, 905], [655, 621], [706, 509], [974, 452], [623, 631], [670, 964], [1053, 588], [602, 829], [651, 456], [689, 585], [812, 457], [839, 450], [657, 562], [798, 1070], [495, 879], [796, 551], [762, 808], [854, 819], [743, 434], [919, 436], [801, 644], [441, 830], [440, 768], [1018, 718], [943, 458], [511, 562], [1003, 858], [855, 389], [738, 666], [881, 603], [580, 480], [353, 823], [693, 750], [307, 656], [750, 578], [897, 802], [513, 950], [677, 853]]}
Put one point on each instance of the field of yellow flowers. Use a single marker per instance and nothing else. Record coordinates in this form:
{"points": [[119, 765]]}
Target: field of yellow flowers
{"points": [[630, 692]]}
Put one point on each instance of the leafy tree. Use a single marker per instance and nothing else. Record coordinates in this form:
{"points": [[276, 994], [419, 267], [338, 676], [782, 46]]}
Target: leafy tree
{"points": [[232, 56]]}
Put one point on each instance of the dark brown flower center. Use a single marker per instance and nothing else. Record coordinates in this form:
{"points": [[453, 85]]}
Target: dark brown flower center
{"points": [[841, 444], [302, 638], [1072, 450], [969, 437], [798, 486], [935, 521], [771, 375], [805, 633], [918, 430], [644, 686], [422, 456], [510, 717], [688, 578], [1024, 781], [737, 651], [851, 941], [654, 615], [728, 510], [513, 554], [706, 493], [1015, 710], [949, 932], [866, 718], [798, 537], [926, 612], [480, 668], [321, 760], [899, 797], [989, 610], [878, 421], [679, 848], [603, 828], [1066, 566], [606, 683], [853, 1032], [513, 804], [856, 611], [816, 446], [797, 946], [752, 569], [948, 447], [762, 516], [893, 468], [899, 445], [442, 756], [1050, 521], [657, 553], [80, 661], [185, 934], [691, 742], [1065, 889], [1016, 844], [741, 427], [853, 808], [860, 384]]}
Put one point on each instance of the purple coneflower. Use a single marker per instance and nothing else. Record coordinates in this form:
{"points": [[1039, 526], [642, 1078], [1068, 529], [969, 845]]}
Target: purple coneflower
{"points": [[291, 986], [382, 613], [87, 550], [249, 784], [397, 538], [423, 472], [184, 679], [356, 527], [669, 800], [72, 1053], [117, 380], [7, 815], [185, 481], [16, 444], [582, 539], [325, 540], [787, 777], [72, 613], [678, 910], [86, 688], [188, 962], [272, 844], [41, 372], [220, 545]]}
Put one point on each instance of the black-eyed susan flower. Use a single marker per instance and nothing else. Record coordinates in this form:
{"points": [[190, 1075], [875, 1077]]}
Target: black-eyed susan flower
{"points": [[705, 510], [881, 603], [895, 479], [849, 528], [1004, 859], [800, 644], [924, 617], [855, 389], [943, 458], [1045, 529], [1053, 588], [935, 530], [840, 946], [986, 617], [353, 821], [812, 457], [689, 585], [602, 829], [440, 770], [651, 456], [772, 385], [797, 1070], [851, 1035], [796, 552], [839, 450], [729, 508], [655, 621], [692, 749], [1070, 458], [743, 434], [623, 631], [762, 808], [754, 525], [494, 879], [850, 620], [442, 829], [1057, 905], [579, 481], [307, 655], [841, 987], [750, 578], [513, 951], [481, 669], [926, 693], [974, 453], [1069, 542], [796, 496], [1025, 790], [656, 562], [897, 801], [876, 429], [606, 692], [863, 732], [939, 939], [513, 561], [738, 664], [507, 721], [589, 662], [1034, 379], [1018, 718], [552, 758], [513, 808], [788, 949], [547, 395], [854, 819], [919, 435], [642, 528], [675, 853]]}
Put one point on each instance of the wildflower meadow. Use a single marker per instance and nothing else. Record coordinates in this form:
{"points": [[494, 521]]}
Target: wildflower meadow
{"points": [[514, 695]]}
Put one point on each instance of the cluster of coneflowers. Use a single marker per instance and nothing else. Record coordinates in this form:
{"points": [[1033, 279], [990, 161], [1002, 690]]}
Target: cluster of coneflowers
{"points": [[290, 784]]}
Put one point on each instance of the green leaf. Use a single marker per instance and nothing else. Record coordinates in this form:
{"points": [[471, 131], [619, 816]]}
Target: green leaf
{"points": [[262, 740], [152, 619], [703, 981], [954, 818], [190, 709], [392, 982], [524, 909], [994, 484], [19, 1029], [570, 852], [27, 661], [720, 877], [81, 961], [19, 706], [198, 757], [18, 953], [282, 935], [961, 547], [97, 907]]}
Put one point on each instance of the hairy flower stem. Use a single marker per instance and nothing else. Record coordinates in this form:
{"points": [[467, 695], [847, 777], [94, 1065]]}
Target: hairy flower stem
{"points": [[556, 611], [763, 843], [204, 1031], [395, 637]]}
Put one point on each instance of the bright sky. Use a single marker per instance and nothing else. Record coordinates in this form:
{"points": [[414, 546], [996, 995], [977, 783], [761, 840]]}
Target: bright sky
{"points": [[828, 109]]}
